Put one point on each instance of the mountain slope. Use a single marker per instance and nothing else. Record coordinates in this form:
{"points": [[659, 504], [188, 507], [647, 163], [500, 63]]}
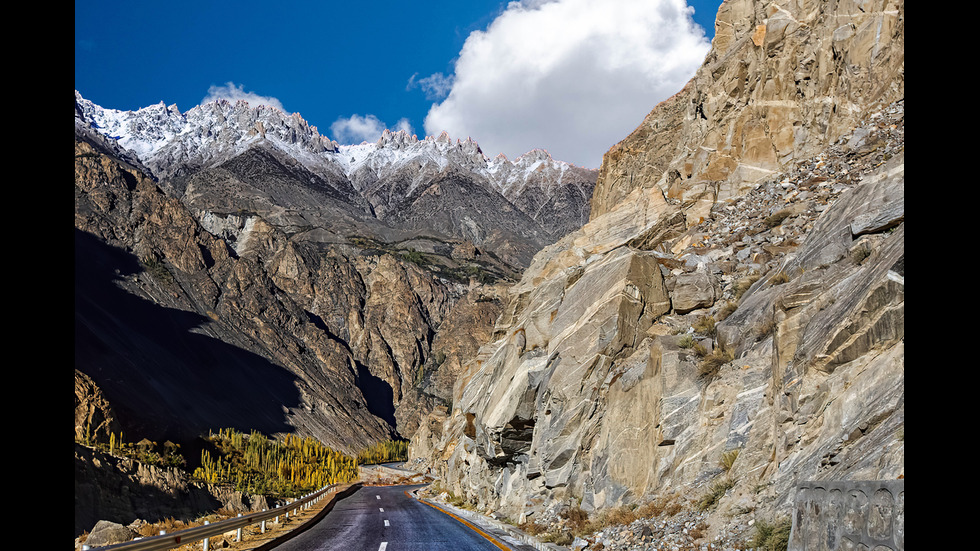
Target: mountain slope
{"points": [[235, 268], [739, 289]]}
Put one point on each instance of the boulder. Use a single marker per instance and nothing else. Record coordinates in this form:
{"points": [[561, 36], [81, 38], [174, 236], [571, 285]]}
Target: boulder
{"points": [[107, 533], [692, 291]]}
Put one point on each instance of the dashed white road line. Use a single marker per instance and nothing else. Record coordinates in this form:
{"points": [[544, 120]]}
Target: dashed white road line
{"points": [[379, 497], [384, 545], [382, 509], [386, 522]]}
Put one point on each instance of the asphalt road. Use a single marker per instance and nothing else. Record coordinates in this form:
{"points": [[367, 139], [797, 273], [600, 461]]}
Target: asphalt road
{"points": [[385, 518]]}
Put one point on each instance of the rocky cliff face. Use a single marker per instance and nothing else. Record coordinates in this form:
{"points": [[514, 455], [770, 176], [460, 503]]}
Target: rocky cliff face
{"points": [[782, 80], [182, 334], [739, 289]]}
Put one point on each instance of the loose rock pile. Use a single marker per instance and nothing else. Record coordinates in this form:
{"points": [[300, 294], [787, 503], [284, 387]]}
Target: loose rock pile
{"points": [[755, 232]]}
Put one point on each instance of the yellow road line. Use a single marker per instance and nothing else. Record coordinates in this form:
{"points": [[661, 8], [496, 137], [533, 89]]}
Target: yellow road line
{"points": [[489, 538]]}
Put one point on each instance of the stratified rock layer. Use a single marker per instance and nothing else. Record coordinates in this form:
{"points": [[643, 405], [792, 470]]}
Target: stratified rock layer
{"points": [[737, 293]]}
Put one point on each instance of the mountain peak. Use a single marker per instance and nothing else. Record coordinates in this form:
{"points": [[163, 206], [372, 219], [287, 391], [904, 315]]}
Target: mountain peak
{"points": [[164, 140], [396, 138]]}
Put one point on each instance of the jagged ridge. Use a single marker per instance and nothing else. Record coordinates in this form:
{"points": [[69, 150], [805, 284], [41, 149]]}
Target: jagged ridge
{"points": [[171, 144]]}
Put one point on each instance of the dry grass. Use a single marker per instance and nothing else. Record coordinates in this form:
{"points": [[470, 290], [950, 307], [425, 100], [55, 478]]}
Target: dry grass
{"points": [[560, 538], [780, 278], [772, 536], [705, 325], [168, 525], [533, 528], [715, 493], [699, 350], [712, 362], [742, 285], [580, 523], [686, 341], [728, 459], [764, 328], [726, 310], [578, 520]]}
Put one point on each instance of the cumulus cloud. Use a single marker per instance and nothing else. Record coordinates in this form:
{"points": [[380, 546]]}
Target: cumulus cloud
{"points": [[357, 129], [570, 76], [232, 92]]}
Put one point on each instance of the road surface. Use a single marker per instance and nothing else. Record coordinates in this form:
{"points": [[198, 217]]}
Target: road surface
{"points": [[386, 518]]}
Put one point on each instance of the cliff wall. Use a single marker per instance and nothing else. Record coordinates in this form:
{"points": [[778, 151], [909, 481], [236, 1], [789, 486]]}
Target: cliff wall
{"points": [[732, 314], [781, 82]]}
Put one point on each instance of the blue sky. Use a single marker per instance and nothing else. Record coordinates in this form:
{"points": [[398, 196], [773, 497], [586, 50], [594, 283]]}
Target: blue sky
{"points": [[570, 76]]}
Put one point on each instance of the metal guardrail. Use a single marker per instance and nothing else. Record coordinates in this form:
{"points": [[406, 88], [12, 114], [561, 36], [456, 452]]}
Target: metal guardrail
{"points": [[190, 535]]}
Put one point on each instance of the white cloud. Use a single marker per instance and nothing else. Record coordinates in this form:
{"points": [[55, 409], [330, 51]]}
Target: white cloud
{"points": [[570, 76], [233, 93], [404, 125], [357, 129], [436, 86]]}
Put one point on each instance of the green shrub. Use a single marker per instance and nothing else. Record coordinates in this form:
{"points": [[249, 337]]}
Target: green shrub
{"points": [[414, 256], [687, 341], [156, 268]]}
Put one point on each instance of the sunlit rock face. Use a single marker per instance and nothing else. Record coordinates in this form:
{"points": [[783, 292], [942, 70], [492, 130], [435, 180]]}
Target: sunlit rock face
{"points": [[739, 289], [781, 81]]}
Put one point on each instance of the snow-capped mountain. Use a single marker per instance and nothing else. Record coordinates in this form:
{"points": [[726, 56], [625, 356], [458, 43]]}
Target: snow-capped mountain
{"points": [[221, 153], [161, 136]]}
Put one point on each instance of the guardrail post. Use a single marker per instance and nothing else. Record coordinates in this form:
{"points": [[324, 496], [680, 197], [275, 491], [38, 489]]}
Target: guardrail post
{"points": [[207, 541], [263, 521], [239, 536]]}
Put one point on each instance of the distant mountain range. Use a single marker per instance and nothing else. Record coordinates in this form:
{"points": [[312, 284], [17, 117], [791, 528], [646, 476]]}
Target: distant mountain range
{"points": [[224, 156]]}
